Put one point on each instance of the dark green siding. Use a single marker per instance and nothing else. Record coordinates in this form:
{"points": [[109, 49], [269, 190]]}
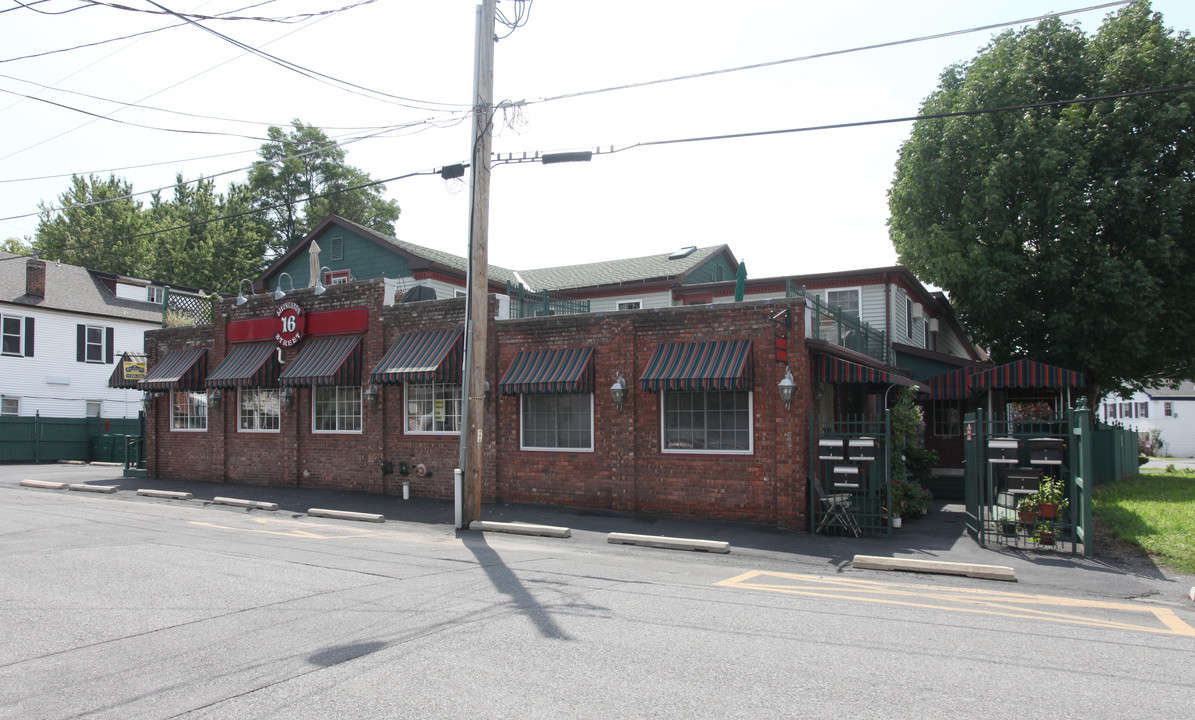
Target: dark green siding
{"points": [[365, 258], [923, 368], [712, 270]]}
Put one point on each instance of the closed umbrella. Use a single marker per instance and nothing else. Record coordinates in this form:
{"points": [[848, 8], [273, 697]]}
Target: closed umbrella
{"points": [[740, 282]]}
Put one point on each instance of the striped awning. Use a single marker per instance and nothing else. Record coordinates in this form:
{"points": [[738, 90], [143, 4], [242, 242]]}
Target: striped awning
{"points": [[325, 361], [129, 372], [549, 371], [954, 385], [178, 370], [1026, 374], [714, 365], [423, 357], [836, 370], [249, 365]]}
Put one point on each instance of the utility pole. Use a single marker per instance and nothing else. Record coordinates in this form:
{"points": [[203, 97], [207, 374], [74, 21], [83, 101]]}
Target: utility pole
{"points": [[477, 318]]}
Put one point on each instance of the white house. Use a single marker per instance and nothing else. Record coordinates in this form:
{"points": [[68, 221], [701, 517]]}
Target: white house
{"points": [[1170, 411], [63, 330]]}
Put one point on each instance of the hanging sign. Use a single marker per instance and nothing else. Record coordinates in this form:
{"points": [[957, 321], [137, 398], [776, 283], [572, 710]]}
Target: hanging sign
{"points": [[289, 323]]}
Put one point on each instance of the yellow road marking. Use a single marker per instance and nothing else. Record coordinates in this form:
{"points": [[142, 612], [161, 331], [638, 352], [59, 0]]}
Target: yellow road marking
{"points": [[963, 600], [292, 532]]}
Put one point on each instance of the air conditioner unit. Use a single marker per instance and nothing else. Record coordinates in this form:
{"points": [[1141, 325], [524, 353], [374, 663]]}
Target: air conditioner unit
{"points": [[918, 312], [933, 324]]}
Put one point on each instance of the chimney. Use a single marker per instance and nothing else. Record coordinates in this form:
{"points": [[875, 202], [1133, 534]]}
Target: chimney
{"points": [[35, 277]]}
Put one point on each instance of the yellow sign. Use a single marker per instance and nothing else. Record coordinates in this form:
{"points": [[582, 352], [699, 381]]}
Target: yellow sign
{"points": [[134, 369], [439, 410]]}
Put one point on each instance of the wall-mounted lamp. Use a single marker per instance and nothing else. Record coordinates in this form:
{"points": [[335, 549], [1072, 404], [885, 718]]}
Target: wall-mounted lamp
{"points": [[147, 402], [320, 288], [787, 386], [278, 294], [286, 396], [486, 400], [371, 395], [213, 398], [618, 391], [241, 299]]}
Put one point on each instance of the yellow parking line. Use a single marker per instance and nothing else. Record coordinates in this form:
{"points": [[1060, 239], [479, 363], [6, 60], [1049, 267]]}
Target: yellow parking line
{"points": [[963, 600]]}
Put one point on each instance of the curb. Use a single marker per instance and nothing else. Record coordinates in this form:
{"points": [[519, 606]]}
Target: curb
{"points": [[346, 515], [171, 494], [521, 529], [245, 503], [46, 484], [669, 543], [80, 487], [984, 572]]}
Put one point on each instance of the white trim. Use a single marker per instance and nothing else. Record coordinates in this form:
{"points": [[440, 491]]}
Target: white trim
{"points": [[7, 399], [258, 431], [536, 448], [692, 451], [407, 409], [637, 302], [189, 414], [858, 290], [360, 402]]}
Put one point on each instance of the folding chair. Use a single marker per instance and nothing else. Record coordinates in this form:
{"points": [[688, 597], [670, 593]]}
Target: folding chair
{"points": [[836, 509]]}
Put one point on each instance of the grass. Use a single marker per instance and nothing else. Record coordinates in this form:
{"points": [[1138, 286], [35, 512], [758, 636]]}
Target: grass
{"points": [[1154, 512]]}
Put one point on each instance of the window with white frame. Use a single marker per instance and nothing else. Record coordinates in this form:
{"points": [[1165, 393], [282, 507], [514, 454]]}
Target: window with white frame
{"points": [[94, 408], [258, 410], [94, 348], [12, 335], [1142, 409], [557, 422], [337, 409], [848, 301], [10, 406], [1168, 409], [433, 408], [188, 411], [948, 418], [630, 305], [707, 421], [1126, 410], [154, 294]]}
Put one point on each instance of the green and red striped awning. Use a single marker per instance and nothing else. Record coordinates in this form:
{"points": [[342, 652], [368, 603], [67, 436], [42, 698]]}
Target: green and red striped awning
{"points": [[250, 365], [178, 370], [954, 385], [549, 371], [130, 370], [1026, 374], [422, 357], [325, 361], [714, 365], [836, 370]]}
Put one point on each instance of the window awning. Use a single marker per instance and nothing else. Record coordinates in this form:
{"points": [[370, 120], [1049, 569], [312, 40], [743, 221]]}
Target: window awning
{"points": [[1026, 374], [129, 372], [715, 365], [954, 385], [325, 361], [836, 370], [178, 370], [430, 356], [549, 371], [248, 365]]}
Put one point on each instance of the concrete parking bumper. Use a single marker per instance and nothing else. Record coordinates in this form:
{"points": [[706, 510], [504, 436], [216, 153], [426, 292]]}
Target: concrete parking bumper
{"points": [[346, 515], [985, 572], [521, 528], [169, 494], [45, 484], [669, 543], [252, 504]]}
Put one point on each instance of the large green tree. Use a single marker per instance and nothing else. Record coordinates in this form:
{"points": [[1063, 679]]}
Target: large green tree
{"points": [[1062, 233], [100, 226], [298, 166]]}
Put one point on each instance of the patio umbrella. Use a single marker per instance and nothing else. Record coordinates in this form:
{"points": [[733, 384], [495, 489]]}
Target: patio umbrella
{"points": [[740, 282], [313, 264]]}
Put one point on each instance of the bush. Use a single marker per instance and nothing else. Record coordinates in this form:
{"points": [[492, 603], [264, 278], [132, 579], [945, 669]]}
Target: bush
{"points": [[909, 499]]}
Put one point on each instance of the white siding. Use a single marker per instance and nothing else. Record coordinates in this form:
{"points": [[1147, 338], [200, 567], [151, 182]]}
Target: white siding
{"points": [[649, 300], [54, 383], [1177, 430], [872, 306]]}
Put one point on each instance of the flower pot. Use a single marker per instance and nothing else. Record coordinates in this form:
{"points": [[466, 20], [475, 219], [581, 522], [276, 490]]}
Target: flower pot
{"points": [[1048, 511], [1027, 516], [896, 521]]}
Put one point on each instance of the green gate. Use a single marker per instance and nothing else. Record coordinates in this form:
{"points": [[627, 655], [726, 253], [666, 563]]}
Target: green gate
{"points": [[851, 492]]}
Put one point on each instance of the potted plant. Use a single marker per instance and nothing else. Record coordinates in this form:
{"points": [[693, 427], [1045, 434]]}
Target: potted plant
{"points": [[1027, 509], [1050, 498]]}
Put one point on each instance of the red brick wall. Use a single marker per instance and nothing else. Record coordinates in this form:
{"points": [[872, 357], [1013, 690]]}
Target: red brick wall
{"points": [[175, 454]]}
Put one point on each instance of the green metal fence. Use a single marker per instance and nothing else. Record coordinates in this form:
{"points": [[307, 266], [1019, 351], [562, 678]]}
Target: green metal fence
{"points": [[851, 488], [830, 323], [525, 304], [38, 439]]}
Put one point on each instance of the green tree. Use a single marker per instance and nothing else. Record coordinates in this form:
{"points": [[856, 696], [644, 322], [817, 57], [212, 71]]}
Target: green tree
{"points": [[96, 214], [1062, 233], [303, 163], [16, 246]]}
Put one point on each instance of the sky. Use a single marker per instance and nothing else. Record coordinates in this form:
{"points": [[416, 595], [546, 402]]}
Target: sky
{"points": [[796, 203]]}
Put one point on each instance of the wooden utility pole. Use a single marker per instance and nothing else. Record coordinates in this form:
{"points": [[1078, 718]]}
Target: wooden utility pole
{"points": [[477, 318]]}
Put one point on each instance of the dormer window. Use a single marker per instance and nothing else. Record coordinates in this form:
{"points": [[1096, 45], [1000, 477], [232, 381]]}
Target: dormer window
{"points": [[154, 294]]}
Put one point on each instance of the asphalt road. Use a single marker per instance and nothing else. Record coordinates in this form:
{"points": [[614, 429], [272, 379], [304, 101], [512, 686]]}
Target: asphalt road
{"points": [[115, 606]]}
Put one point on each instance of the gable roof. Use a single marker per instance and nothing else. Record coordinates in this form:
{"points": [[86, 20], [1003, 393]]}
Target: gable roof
{"points": [[70, 288], [615, 272], [1185, 389]]}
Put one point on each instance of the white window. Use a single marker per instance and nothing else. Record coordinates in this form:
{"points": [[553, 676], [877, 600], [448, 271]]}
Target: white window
{"points": [[258, 410], [337, 409], [1126, 410], [154, 294], [434, 409], [845, 300], [95, 344], [94, 408], [1142, 409], [707, 421], [557, 422], [1168, 409], [630, 305], [12, 337], [10, 406], [188, 411]]}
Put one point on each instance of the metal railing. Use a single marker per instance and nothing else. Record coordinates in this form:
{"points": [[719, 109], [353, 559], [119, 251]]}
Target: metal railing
{"points": [[830, 323], [851, 467], [525, 304]]}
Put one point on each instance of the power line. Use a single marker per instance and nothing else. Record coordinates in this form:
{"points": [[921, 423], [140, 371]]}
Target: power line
{"points": [[288, 19], [831, 53]]}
